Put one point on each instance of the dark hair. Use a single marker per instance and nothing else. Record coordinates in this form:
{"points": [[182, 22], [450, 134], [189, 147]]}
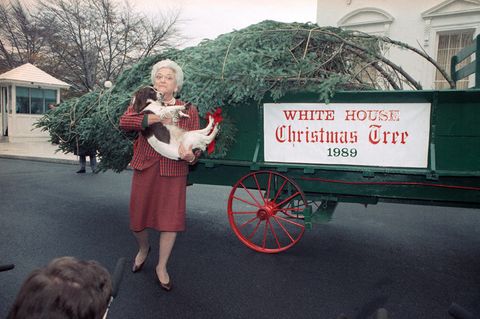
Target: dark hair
{"points": [[141, 97], [65, 288]]}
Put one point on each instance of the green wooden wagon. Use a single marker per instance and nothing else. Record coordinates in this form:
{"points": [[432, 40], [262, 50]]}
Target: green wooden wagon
{"points": [[295, 159]]}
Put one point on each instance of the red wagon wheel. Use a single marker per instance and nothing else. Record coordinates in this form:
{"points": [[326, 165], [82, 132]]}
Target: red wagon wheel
{"points": [[254, 205]]}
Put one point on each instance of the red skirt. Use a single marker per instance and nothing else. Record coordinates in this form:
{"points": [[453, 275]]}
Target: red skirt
{"points": [[156, 201]]}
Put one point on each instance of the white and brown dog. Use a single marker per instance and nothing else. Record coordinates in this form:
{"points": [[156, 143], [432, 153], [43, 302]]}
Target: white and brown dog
{"points": [[165, 139]]}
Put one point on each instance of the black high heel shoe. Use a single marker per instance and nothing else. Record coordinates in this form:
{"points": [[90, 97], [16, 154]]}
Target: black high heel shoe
{"points": [[168, 286], [137, 268]]}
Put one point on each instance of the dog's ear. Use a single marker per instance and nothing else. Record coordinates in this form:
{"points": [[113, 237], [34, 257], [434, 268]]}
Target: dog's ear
{"points": [[140, 99], [138, 102]]}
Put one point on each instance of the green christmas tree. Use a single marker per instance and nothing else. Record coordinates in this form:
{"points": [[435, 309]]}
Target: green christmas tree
{"points": [[265, 60]]}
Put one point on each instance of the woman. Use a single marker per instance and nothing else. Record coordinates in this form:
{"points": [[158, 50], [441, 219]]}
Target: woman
{"points": [[158, 196]]}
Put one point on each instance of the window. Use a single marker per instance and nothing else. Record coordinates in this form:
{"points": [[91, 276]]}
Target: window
{"points": [[33, 100], [448, 45], [50, 98], [36, 101], [23, 100]]}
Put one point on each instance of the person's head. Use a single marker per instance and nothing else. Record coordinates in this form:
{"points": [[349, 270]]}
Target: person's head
{"points": [[65, 288], [167, 77]]}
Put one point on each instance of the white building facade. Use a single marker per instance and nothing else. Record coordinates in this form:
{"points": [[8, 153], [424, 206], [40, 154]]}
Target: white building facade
{"points": [[440, 28], [25, 93]]}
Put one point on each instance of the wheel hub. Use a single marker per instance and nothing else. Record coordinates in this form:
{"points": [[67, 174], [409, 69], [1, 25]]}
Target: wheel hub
{"points": [[266, 211]]}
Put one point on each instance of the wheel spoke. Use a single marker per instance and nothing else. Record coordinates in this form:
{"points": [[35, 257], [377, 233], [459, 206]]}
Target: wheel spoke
{"points": [[243, 213], [245, 201], [274, 234], [288, 221], [247, 222], [279, 190], [268, 185], [265, 234], [284, 230], [292, 212], [253, 197], [289, 198], [292, 209], [259, 190], [255, 230]]}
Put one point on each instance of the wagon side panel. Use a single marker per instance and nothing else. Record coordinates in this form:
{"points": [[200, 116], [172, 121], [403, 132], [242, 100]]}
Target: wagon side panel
{"points": [[457, 133]]}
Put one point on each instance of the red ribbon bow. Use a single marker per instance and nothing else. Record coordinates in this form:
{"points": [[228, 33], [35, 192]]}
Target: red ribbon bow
{"points": [[217, 118]]}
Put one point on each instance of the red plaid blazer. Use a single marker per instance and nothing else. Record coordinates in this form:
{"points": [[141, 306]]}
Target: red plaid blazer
{"points": [[144, 155]]}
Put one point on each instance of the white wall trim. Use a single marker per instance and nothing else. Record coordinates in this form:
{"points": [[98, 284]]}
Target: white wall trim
{"points": [[435, 21], [385, 17], [436, 10], [33, 84]]}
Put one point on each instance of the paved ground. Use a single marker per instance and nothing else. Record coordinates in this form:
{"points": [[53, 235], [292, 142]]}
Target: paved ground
{"points": [[413, 260]]}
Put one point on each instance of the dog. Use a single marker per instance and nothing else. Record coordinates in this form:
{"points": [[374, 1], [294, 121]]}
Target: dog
{"points": [[165, 139]]}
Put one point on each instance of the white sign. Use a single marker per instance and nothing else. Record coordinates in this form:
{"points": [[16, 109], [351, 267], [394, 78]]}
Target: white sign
{"points": [[367, 134]]}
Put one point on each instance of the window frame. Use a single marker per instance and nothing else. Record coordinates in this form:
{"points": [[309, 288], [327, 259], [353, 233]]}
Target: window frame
{"points": [[439, 84], [45, 99]]}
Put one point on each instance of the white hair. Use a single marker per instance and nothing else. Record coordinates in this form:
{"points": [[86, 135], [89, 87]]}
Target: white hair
{"points": [[167, 63]]}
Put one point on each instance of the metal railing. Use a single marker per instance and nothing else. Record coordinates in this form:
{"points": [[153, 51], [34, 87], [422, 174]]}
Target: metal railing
{"points": [[471, 68]]}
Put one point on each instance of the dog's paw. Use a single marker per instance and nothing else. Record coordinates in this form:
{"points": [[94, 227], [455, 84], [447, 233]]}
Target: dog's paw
{"points": [[183, 114]]}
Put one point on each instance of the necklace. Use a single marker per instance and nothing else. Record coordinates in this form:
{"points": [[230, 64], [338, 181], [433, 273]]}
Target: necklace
{"points": [[170, 102]]}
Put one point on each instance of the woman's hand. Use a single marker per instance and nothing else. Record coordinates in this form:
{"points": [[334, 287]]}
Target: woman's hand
{"points": [[186, 154], [152, 119]]}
